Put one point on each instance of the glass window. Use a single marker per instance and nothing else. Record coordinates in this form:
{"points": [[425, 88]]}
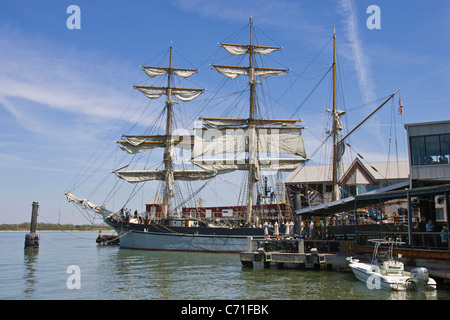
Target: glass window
{"points": [[417, 151], [445, 148], [433, 149]]}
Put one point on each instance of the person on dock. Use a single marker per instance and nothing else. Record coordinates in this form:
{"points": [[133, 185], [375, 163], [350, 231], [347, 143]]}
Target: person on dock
{"points": [[444, 236], [430, 226], [429, 238]]}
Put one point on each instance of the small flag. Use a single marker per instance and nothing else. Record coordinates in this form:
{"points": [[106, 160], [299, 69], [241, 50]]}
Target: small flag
{"points": [[400, 107]]}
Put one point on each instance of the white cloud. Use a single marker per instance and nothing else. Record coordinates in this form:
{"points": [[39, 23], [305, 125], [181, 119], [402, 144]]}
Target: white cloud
{"points": [[59, 83]]}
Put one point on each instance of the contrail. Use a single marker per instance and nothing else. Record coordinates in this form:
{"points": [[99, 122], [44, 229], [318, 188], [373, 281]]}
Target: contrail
{"points": [[360, 60]]}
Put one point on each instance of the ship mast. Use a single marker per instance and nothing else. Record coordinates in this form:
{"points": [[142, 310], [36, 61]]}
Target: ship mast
{"points": [[141, 143], [168, 179], [251, 137], [338, 145], [335, 130], [255, 129]]}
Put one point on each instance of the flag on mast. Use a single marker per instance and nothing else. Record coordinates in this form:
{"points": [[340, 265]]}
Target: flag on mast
{"points": [[400, 107]]}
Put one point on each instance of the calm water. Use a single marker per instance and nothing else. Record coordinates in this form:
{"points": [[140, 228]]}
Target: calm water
{"points": [[113, 273]]}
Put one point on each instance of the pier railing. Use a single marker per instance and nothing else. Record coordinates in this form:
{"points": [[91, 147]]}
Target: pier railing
{"points": [[431, 241], [302, 245], [419, 240]]}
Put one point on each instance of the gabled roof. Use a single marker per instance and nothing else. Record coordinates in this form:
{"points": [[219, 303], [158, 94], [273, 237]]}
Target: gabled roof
{"points": [[363, 172], [357, 174], [395, 191]]}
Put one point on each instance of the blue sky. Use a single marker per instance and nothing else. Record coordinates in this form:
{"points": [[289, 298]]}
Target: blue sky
{"points": [[65, 94]]}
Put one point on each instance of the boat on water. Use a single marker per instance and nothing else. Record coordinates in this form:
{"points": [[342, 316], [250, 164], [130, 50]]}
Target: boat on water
{"points": [[385, 271], [248, 144]]}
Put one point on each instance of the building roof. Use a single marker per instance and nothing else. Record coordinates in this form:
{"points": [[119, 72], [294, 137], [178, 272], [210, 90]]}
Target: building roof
{"points": [[431, 123], [397, 191], [355, 173]]}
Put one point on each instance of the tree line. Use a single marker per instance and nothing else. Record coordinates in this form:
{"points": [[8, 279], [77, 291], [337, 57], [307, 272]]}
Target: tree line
{"points": [[25, 226]]}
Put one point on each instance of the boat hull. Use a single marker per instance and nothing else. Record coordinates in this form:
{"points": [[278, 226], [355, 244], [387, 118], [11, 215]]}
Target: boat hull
{"points": [[377, 281], [169, 238], [401, 282]]}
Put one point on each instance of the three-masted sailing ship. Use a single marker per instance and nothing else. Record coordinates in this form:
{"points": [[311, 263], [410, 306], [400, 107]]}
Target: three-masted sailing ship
{"points": [[219, 145]]}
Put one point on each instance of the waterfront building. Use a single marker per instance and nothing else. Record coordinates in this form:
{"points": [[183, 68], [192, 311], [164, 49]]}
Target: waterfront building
{"points": [[312, 185], [429, 152]]}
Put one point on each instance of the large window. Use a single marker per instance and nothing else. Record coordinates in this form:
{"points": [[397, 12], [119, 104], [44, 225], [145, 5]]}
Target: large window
{"points": [[433, 149]]}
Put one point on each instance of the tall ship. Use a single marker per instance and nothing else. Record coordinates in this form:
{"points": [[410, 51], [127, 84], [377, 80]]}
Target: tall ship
{"points": [[253, 145]]}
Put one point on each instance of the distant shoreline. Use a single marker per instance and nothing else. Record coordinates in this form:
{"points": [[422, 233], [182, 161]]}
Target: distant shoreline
{"points": [[24, 227], [37, 231]]}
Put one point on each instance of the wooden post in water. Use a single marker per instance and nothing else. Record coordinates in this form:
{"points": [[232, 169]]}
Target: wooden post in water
{"points": [[32, 239]]}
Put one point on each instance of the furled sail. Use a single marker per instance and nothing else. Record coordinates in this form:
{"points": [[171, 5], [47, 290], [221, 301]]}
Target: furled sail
{"points": [[154, 71], [264, 164], [85, 203], [158, 71], [148, 175], [182, 94], [233, 72], [140, 144], [240, 49], [136, 144], [220, 123]]}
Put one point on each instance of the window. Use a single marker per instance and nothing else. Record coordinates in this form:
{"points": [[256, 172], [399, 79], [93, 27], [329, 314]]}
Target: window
{"points": [[432, 149], [417, 150], [445, 148], [227, 212]]}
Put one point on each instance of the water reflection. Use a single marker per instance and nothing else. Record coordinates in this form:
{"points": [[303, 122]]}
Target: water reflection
{"points": [[113, 273], [167, 275], [134, 274], [30, 261]]}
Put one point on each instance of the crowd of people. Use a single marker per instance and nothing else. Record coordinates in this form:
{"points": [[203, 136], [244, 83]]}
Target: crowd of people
{"points": [[126, 215]]}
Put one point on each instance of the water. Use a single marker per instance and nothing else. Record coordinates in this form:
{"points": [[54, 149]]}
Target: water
{"points": [[113, 273]]}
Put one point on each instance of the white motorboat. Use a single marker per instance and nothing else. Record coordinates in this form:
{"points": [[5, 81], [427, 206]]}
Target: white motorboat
{"points": [[387, 272]]}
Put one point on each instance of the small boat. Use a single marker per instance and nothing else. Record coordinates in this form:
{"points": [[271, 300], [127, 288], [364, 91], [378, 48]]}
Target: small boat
{"points": [[387, 272]]}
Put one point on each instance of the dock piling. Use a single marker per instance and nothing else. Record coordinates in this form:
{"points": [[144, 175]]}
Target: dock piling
{"points": [[32, 238]]}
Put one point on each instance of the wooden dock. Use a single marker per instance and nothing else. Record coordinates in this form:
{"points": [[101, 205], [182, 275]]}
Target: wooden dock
{"points": [[292, 253]]}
